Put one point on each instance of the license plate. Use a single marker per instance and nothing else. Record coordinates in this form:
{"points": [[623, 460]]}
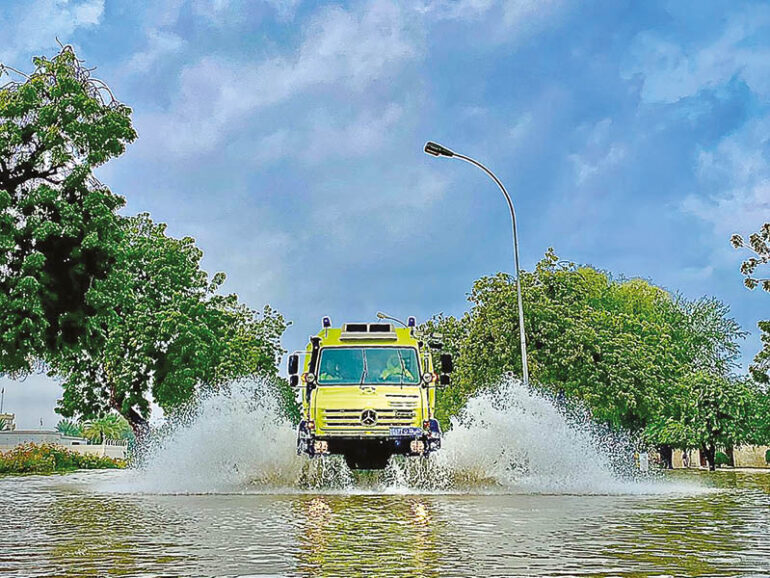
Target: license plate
{"points": [[405, 431]]}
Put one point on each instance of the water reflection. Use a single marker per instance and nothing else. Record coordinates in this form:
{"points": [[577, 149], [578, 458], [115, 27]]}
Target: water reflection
{"points": [[368, 535], [72, 526], [89, 534]]}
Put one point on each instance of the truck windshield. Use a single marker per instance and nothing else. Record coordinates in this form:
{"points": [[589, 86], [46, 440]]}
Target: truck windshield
{"points": [[370, 365]]}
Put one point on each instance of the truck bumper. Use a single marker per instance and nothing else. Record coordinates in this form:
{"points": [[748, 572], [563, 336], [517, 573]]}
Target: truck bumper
{"points": [[421, 442]]}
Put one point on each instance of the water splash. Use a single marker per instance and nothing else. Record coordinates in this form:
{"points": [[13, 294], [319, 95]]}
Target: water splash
{"points": [[228, 441], [508, 440], [513, 439]]}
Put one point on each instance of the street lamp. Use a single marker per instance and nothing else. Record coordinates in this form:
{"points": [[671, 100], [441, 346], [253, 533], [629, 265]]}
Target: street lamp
{"points": [[381, 315], [437, 150]]}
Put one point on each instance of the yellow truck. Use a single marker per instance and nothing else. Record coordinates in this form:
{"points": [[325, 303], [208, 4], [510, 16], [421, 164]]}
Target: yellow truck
{"points": [[368, 392]]}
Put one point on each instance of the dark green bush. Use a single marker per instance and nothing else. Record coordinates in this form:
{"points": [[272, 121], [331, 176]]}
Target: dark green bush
{"points": [[767, 457], [47, 458], [721, 459]]}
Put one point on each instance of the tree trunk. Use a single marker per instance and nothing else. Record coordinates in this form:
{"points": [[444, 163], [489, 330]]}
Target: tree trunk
{"points": [[710, 453], [139, 425], [730, 453], [666, 456]]}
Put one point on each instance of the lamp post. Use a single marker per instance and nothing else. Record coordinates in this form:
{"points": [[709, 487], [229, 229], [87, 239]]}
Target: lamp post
{"points": [[437, 150], [381, 315]]}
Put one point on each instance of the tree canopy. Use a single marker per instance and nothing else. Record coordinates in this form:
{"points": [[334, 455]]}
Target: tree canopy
{"points": [[759, 245], [58, 224], [161, 331], [110, 427], [624, 348], [117, 309]]}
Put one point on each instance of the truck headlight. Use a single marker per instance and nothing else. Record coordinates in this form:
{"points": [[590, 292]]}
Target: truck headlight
{"points": [[321, 447], [416, 446]]}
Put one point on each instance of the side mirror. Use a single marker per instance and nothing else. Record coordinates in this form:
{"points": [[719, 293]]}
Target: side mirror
{"points": [[444, 380], [293, 364], [446, 363], [294, 381]]}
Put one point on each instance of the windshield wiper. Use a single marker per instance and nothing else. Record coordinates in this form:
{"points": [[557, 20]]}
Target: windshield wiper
{"points": [[403, 369], [366, 369]]}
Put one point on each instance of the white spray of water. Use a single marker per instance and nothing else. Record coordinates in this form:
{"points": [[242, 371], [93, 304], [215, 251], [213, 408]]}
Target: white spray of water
{"points": [[229, 440], [514, 439], [511, 440]]}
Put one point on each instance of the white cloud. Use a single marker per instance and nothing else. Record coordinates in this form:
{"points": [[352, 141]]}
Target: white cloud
{"points": [[394, 198], [340, 49], [284, 9], [521, 129], [219, 12], [513, 11], [362, 136], [212, 9], [529, 14], [740, 210], [508, 20], [326, 136], [163, 16], [160, 44], [600, 153], [458, 9], [37, 24], [673, 71], [586, 169], [738, 172]]}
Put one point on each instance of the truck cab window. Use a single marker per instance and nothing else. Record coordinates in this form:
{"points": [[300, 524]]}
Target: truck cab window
{"points": [[341, 366], [371, 365]]}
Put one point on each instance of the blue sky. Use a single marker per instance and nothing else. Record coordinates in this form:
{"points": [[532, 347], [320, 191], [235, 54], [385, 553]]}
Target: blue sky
{"points": [[286, 137]]}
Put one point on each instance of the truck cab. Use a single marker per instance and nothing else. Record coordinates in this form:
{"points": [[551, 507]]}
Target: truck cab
{"points": [[368, 392]]}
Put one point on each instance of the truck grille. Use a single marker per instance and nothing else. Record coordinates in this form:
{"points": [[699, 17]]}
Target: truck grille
{"points": [[349, 420], [403, 400]]}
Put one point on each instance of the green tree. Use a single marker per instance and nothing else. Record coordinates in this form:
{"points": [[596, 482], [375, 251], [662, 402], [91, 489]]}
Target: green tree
{"points": [[68, 427], [704, 335], [620, 347], [703, 338], [58, 230], [109, 427], [162, 332], [710, 411], [759, 245], [587, 338], [290, 408], [758, 429]]}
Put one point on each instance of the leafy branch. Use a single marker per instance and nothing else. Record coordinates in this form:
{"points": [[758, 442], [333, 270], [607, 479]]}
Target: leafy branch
{"points": [[759, 244]]}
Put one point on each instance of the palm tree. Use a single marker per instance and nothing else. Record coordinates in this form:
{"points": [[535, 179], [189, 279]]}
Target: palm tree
{"points": [[109, 427], [69, 428]]}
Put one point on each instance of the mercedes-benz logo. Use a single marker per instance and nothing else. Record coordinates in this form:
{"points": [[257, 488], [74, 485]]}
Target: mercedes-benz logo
{"points": [[369, 417]]}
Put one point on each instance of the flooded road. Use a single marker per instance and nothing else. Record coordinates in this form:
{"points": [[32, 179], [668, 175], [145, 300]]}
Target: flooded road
{"points": [[77, 525]]}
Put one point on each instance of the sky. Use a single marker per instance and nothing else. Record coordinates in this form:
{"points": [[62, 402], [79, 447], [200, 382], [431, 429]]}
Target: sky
{"points": [[286, 137]]}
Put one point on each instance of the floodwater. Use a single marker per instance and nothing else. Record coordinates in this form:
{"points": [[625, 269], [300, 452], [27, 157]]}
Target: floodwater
{"points": [[76, 525], [519, 488]]}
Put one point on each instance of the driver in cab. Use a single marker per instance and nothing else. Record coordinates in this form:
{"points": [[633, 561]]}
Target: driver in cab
{"points": [[395, 369]]}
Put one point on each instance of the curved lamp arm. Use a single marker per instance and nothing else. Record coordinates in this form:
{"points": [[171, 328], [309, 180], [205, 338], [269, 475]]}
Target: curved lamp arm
{"points": [[438, 150]]}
